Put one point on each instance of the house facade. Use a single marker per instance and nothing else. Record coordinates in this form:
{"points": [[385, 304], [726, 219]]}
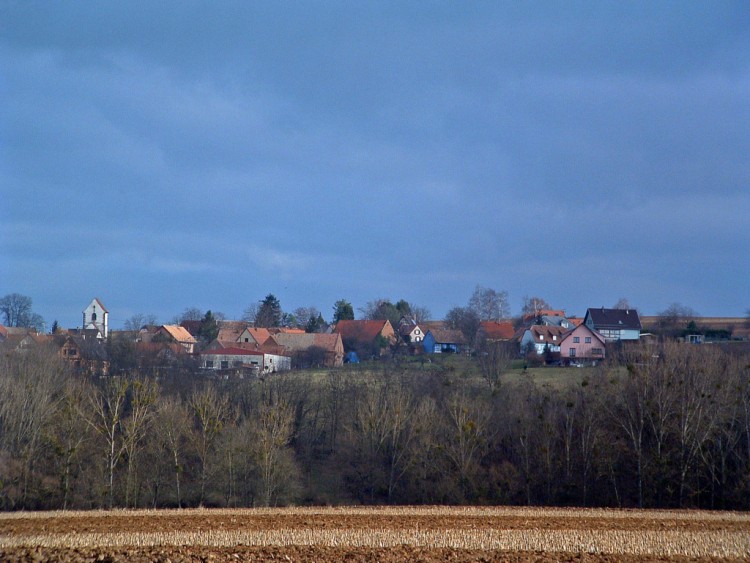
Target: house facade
{"points": [[330, 345], [614, 324], [411, 333], [443, 341], [365, 334], [176, 333], [85, 355], [241, 358], [541, 338], [583, 344]]}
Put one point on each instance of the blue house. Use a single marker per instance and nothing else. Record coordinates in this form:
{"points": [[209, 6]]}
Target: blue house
{"points": [[443, 341]]}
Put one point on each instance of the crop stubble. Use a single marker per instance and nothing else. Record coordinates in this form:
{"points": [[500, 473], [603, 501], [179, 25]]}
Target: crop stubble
{"points": [[376, 534]]}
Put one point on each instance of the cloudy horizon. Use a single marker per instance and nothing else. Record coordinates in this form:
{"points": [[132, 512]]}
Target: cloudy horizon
{"points": [[174, 155]]}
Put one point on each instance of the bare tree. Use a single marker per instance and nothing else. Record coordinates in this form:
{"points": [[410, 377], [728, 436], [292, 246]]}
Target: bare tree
{"points": [[303, 315], [675, 317], [30, 392], [103, 414], [273, 426], [631, 415], [211, 411], [489, 304], [419, 314], [699, 407], [465, 320], [138, 320], [467, 434], [251, 313], [495, 359], [622, 303], [142, 398], [533, 306], [173, 424], [69, 436], [16, 311]]}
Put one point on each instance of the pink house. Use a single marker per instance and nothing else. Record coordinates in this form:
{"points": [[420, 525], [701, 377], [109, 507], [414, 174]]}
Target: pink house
{"points": [[582, 343]]}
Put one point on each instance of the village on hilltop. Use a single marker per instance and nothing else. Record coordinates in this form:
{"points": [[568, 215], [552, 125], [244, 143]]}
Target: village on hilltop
{"points": [[231, 348]]}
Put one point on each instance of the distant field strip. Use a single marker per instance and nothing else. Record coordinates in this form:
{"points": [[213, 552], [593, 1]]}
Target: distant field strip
{"points": [[440, 511], [690, 544]]}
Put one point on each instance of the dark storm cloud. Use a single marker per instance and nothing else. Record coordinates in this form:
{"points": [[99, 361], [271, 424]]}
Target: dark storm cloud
{"points": [[171, 155]]}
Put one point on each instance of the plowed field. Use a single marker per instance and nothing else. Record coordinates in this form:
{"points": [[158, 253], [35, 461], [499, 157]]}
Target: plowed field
{"points": [[375, 534]]}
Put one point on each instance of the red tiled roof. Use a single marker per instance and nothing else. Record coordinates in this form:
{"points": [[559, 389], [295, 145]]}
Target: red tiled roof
{"points": [[230, 330], [180, 334], [260, 335], [293, 342], [547, 332], [361, 331], [447, 336], [494, 330]]}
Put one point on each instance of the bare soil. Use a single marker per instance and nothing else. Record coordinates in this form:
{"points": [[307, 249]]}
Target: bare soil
{"points": [[201, 521], [317, 553]]}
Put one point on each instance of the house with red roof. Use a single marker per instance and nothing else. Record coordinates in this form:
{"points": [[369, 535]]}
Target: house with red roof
{"points": [[305, 347], [542, 338], [443, 341], [176, 333], [371, 336], [494, 331]]}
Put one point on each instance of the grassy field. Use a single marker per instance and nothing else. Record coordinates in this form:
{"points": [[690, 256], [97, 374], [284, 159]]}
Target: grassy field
{"points": [[459, 366]]}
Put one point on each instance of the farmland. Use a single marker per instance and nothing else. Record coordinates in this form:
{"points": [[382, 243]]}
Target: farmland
{"points": [[382, 534]]}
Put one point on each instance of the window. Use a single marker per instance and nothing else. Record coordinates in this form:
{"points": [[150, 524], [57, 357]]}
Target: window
{"points": [[210, 364], [72, 352], [597, 352], [576, 339], [93, 316], [224, 364], [554, 337], [572, 352], [588, 340], [247, 339]]}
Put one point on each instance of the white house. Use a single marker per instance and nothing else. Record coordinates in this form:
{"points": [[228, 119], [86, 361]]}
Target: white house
{"points": [[236, 358], [542, 337], [96, 316], [614, 324]]}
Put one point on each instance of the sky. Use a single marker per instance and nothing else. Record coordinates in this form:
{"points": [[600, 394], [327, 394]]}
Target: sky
{"points": [[166, 155]]}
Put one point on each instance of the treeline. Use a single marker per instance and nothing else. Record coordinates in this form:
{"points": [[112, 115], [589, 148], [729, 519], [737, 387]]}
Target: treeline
{"points": [[664, 426]]}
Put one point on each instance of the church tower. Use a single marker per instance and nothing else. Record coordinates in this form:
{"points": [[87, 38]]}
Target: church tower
{"points": [[96, 316]]}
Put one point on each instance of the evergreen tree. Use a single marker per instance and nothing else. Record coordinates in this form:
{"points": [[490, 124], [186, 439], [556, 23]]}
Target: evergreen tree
{"points": [[342, 311], [269, 313], [209, 328]]}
